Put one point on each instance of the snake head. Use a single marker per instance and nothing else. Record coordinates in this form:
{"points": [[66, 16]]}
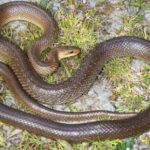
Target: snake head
{"points": [[66, 51]]}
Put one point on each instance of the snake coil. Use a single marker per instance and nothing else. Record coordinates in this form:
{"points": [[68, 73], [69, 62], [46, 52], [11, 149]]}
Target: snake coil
{"points": [[73, 88]]}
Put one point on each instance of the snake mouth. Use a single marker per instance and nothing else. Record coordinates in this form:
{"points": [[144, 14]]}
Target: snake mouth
{"points": [[67, 51]]}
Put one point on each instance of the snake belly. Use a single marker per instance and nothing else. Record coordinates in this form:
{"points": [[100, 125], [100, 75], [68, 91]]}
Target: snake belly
{"points": [[73, 88]]}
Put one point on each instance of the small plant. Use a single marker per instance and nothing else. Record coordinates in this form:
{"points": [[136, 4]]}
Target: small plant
{"points": [[125, 144]]}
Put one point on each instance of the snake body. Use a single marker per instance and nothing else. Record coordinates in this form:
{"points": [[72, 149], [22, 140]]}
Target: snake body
{"points": [[48, 113], [9, 12], [73, 88]]}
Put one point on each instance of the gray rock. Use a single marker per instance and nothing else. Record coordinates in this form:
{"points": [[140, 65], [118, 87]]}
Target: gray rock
{"points": [[147, 15], [137, 65], [115, 1], [92, 3], [97, 98], [116, 21]]}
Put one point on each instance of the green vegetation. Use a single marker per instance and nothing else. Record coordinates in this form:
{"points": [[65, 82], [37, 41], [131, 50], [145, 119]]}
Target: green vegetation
{"points": [[75, 32], [132, 23], [2, 141], [125, 144], [146, 76], [119, 70]]}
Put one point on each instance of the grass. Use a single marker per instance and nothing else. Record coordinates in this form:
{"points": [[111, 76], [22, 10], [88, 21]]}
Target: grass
{"points": [[2, 141], [146, 76], [119, 70], [75, 32], [80, 30]]}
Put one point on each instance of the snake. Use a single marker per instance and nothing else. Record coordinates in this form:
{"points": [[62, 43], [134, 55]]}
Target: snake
{"points": [[54, 55], [72, 88], [49, 113]]}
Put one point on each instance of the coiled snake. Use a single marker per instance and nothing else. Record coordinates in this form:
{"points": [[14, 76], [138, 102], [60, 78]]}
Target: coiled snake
{"points": [[73, 88]]}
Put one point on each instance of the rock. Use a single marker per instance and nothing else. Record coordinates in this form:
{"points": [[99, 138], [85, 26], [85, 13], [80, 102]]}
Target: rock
{"points": [[137, 65], [115, 1], [147, 16]]}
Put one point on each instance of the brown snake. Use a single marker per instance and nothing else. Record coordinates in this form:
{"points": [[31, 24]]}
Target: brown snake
{"points": [[70, 89], [54, 55]]}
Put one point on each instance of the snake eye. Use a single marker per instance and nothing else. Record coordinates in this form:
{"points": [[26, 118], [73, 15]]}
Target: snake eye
{"points": [[71, 52]]}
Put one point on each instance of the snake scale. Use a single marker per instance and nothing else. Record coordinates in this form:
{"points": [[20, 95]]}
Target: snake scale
{"points": [[72, 88]]}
